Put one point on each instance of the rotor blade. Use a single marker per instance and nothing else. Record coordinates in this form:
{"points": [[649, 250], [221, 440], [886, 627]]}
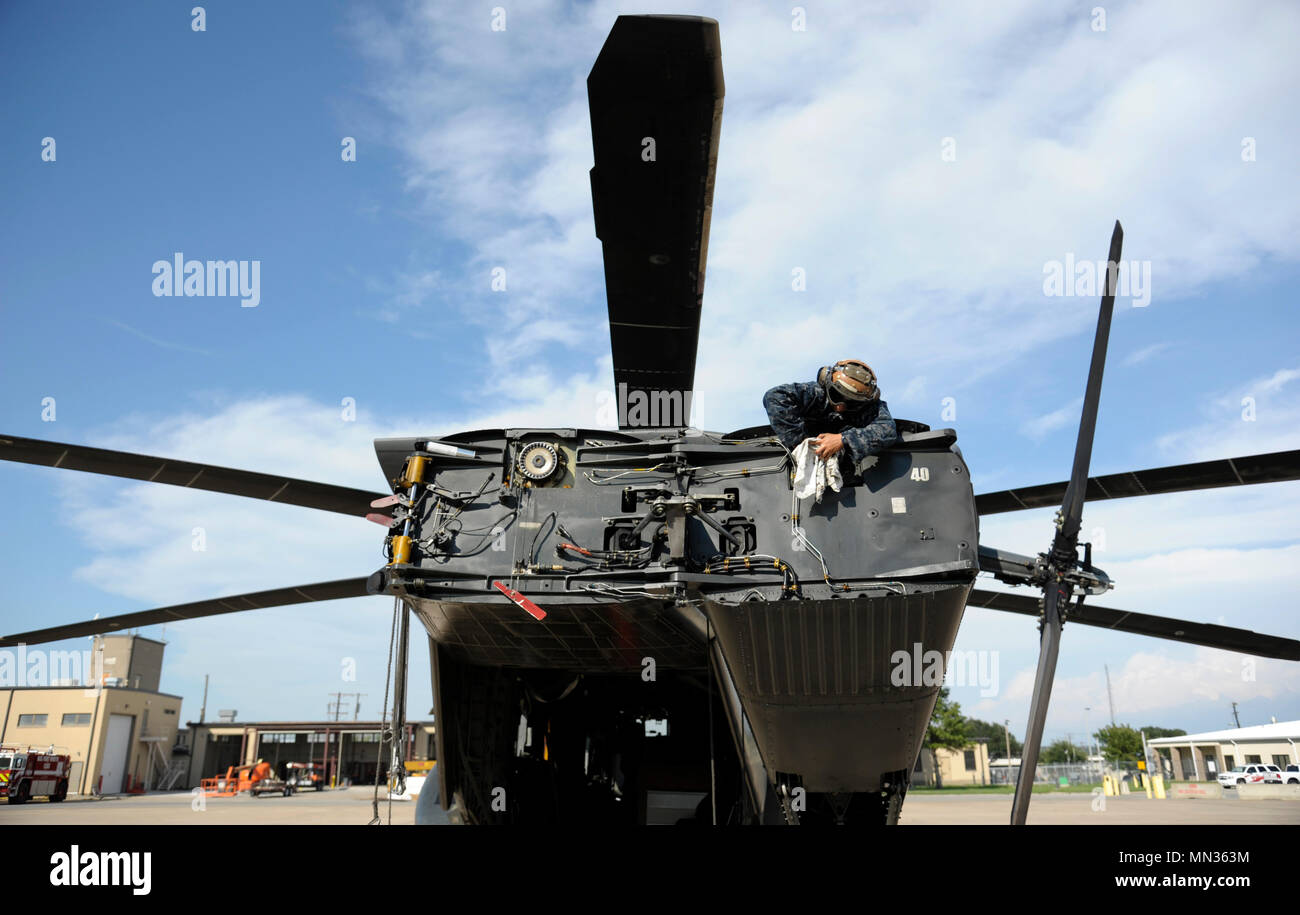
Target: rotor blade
{"points": [[1210, 635], [1275, 467], [1049, 646], [656, 112], [272, 488], [258, 600], [1072, 504]]}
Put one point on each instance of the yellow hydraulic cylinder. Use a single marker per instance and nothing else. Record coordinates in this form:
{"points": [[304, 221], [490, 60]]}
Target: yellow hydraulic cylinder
{"points": [[401, 550], [414, 471]]}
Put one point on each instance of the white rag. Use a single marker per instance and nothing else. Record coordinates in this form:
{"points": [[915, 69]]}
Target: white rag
{"points": [[813, 474]]}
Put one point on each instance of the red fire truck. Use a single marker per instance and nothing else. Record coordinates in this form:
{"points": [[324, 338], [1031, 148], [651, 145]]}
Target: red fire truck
{"points": [[28, 773]]}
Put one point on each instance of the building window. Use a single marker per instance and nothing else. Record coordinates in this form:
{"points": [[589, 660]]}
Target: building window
{"points": [[970, 760], [1281, 760], [32, 721], [1229, 763], [1251, 758], [363, 738], [76, 719]]}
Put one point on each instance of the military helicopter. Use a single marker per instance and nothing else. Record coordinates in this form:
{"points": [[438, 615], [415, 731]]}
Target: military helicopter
{"points": [[616, 615]]}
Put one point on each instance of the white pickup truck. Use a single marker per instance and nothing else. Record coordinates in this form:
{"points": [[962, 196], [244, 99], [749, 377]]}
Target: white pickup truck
{"points": [[1252, 774]]}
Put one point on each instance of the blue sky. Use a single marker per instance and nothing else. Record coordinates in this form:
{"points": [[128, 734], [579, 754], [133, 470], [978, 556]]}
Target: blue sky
{"points": [[472, 153]]}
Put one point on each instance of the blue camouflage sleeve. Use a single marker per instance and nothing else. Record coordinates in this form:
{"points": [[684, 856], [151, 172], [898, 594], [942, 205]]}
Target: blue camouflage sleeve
{"points": [[786, 405], [877, 434]]}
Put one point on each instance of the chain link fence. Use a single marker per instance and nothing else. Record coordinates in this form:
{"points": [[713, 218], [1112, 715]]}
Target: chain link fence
{"points": [[1080, 773]]}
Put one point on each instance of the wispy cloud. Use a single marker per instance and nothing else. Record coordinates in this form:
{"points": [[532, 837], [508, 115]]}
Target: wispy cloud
{"points": [[1040, 426], [1278, 380], [165, 344], [1142, 355], [1256, 417]]}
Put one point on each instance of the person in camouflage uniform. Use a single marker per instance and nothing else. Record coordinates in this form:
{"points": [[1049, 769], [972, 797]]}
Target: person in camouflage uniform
{"points": [[842, 410]]}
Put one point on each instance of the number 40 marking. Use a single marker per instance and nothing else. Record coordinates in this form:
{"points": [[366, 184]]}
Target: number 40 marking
{"points": [[921, 474]]}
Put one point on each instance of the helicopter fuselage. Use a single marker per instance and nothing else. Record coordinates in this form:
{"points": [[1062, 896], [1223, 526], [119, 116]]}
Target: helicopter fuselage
{"points": [[661, 554]]}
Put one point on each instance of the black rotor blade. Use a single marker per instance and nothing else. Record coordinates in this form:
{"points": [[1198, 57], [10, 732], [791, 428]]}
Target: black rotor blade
{"points": [[1064, 553], [1275, 467], [658, 80], [1072, 503], [1048, 648], [258, 600], [272, 488], [1210, 635]]}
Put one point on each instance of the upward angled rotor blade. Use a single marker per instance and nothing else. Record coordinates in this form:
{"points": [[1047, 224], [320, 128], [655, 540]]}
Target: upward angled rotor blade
{"points": [[258, 600], [1064, 554], [270, 487], [1072, 504], [656, 113], [1275, 467]]}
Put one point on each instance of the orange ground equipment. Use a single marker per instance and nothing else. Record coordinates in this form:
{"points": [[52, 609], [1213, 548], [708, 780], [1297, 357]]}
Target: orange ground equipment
{"points": [[236, 780]]}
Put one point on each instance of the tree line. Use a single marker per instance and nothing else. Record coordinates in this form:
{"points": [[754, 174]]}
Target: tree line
{"points": [[950, 729]]}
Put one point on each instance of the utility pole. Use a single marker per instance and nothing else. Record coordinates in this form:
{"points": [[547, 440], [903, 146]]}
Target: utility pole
{"points": [[1110, 697], [335, 707], [1006, 730], [203, 709], [1234, 714]]}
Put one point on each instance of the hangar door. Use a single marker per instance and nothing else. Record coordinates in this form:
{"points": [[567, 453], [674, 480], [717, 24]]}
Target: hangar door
{"points": [[117, 746]]}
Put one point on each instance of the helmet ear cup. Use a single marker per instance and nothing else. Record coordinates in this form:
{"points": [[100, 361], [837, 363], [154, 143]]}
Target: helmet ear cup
{"points": [[824, 376]]}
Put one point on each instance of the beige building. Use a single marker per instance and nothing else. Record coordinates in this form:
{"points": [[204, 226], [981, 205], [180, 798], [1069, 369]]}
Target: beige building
{"points": [[1201, 757], [102, 707], [967, 766]]}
